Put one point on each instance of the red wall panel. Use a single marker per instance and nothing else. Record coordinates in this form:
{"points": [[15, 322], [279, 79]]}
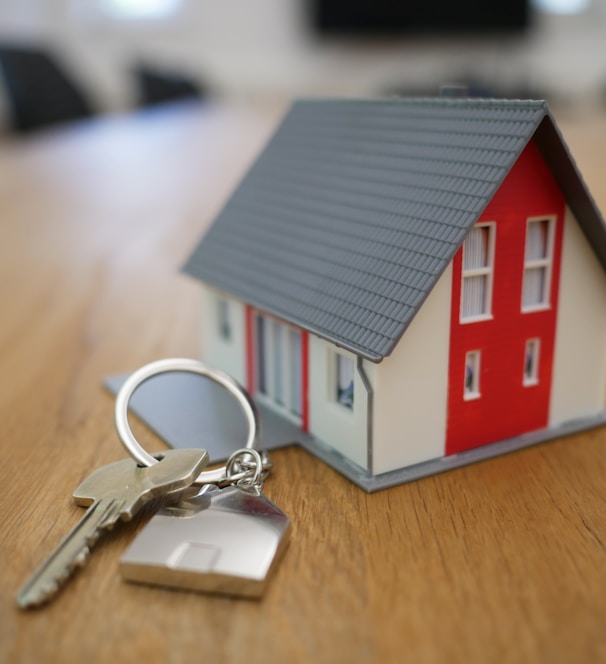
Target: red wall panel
{"points": [[506, 406]]}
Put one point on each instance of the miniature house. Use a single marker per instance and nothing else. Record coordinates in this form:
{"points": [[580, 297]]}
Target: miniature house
{"points": [[412, 284]]}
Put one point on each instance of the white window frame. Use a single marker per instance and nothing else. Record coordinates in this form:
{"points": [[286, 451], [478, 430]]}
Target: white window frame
{"points": [[473, 358], [485, 271], [337, 369], [545, 263], [532, 348], [279, 371]]}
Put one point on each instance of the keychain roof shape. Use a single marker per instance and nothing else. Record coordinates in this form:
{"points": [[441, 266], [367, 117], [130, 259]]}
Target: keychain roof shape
{"points": [[354, 209], [397, 281]]}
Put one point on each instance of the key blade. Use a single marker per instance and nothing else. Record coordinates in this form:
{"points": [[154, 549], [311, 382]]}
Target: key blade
{"points": [[71, 553], [113, 492], [174, 474]]}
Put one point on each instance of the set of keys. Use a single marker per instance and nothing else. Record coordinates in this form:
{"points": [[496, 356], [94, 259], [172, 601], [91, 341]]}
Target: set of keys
{"points": [[215, 532]]}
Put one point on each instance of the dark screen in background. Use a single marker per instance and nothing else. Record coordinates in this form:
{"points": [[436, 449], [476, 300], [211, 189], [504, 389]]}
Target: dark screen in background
{"points": [[385, 17]]}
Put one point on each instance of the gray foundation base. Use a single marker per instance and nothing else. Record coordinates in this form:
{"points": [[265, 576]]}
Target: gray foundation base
{"points": [[186, 411], [371, 483]]}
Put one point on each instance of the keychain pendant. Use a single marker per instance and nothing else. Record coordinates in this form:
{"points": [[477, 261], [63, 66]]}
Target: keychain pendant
{"points": [[221, 541]]}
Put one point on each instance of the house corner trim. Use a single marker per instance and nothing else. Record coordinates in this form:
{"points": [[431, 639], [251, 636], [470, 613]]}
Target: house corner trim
{"points": [[369, 410]]}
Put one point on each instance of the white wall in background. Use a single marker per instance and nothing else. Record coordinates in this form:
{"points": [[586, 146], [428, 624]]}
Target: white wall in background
{"points": [[264, 47]]}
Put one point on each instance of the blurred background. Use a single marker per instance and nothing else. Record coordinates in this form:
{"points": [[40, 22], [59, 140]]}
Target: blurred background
{"points": [[109, 56]]}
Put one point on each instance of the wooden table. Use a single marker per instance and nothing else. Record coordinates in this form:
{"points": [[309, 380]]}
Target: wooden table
{"points": [[500, 561]]}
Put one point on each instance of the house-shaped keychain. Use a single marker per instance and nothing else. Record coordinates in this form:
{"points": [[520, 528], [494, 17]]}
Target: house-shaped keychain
{"points": [[222, 541], [410, 285]]}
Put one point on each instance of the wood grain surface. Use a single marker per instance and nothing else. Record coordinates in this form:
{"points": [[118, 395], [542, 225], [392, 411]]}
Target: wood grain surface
{"points": [[502, 561]]}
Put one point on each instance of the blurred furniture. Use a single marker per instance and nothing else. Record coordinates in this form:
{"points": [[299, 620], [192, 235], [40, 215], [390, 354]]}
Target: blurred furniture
{"points": [[154, 86], [40, 92]]}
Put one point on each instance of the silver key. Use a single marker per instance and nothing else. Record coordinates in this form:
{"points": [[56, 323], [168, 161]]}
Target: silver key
{"points": [[113, 492]]}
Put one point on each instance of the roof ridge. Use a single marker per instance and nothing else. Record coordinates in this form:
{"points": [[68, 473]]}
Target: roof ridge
{"points": [[429, 101]]}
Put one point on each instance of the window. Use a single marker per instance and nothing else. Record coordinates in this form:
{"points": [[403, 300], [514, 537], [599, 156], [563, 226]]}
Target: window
{"points": [[472, 375], [537, 264], [478, 259], [156, 15], [531, 362], [224, 319], [279, 363], [344, 388], [140, 9]]}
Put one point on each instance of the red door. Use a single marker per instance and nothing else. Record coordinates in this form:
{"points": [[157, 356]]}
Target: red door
{"points": [[503, 318]]}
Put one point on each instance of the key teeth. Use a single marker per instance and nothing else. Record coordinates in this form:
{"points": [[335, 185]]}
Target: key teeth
{"points": [[48, 590], [51, 587], [45, 593], [80, 559]]}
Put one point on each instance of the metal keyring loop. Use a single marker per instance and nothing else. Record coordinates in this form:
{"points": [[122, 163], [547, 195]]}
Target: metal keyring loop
{"points": [[233, 468], [186, 365]]}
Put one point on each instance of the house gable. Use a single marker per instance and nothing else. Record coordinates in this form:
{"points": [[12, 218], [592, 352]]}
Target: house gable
{"points": [[480, 414], [580, 353]]}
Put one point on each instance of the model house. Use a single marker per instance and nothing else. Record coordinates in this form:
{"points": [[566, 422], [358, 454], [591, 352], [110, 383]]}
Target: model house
{"points": [[412, 284]]}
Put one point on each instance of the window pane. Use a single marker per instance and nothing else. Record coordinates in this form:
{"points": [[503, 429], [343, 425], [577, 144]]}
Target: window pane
{"points": [[534, 289], [472, 374], [537, 235], [531, 362], [261, 357], [475, 248], [469, 376], [474, 296], [294, 341], [223, 317], [345, 377], [278, 361]]}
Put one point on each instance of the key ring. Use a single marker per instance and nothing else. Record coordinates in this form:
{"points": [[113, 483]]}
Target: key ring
{"points": [[187, 365]]}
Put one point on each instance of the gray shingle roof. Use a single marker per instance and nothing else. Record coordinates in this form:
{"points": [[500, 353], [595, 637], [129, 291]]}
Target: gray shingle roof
{"points": [[355, 208]]}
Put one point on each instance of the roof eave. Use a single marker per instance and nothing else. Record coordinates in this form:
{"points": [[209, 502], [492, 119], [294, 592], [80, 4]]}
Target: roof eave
{"points": [[562, 165]]}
